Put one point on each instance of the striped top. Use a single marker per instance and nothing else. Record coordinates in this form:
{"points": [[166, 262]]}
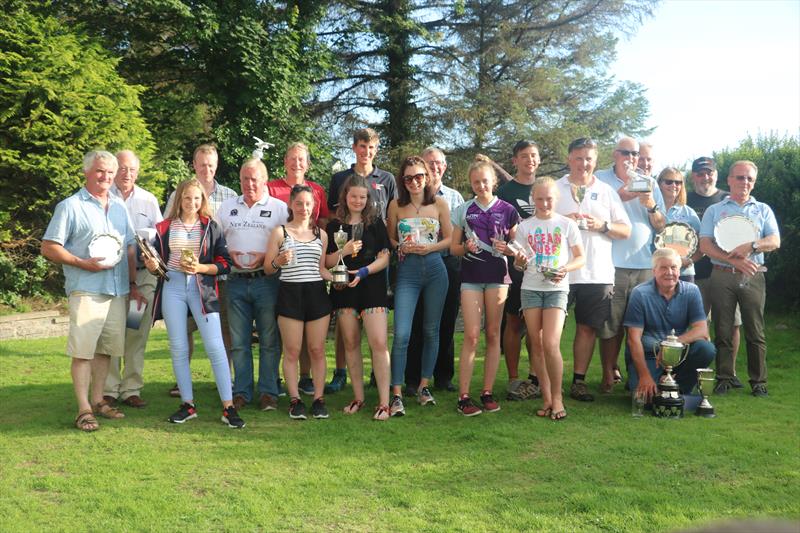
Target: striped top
{"points": [[180, 238], [307, 255]]}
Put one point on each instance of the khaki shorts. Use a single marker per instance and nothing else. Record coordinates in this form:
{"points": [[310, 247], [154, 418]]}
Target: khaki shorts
{"points": [[705, 291], [96, 325]]}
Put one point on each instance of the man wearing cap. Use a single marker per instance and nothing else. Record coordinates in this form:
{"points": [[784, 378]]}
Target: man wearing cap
{"points": [[632, 256], [247, 222], [144, 214], [737, 277], [704, 195]]}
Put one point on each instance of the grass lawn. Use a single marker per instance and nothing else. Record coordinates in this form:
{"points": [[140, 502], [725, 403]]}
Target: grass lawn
{"points": [[599, 470]]}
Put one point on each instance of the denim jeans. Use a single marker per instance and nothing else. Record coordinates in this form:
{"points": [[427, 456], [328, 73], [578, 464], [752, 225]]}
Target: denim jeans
{"points": [[180, 295], [418, 275], [700, 355], [254, 299]]}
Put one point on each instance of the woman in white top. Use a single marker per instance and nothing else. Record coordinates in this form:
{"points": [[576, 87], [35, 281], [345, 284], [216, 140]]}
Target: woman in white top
{"points": [[551, 247]]}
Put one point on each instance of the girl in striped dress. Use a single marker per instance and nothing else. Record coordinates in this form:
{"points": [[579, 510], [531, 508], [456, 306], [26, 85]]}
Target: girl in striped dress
{"points": [[296, 250]]}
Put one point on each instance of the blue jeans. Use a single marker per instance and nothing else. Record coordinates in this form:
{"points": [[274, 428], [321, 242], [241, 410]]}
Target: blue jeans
{"points": [[426, 275], [254, 299], [179, 296], [700, 355]]}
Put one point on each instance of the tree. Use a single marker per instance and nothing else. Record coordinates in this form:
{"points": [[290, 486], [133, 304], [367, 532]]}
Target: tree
{"points": [[778, 185], [60, 97]]}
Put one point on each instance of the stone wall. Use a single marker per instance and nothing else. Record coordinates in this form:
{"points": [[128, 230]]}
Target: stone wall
{"points": [[37, 325]]}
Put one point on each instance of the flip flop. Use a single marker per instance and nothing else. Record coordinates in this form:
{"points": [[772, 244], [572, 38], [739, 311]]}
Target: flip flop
{"points": [[85, 421], [558, 416], [354, 407], [544, 413]]}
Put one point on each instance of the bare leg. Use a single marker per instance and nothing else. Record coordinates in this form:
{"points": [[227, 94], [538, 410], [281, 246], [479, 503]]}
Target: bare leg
{"points": [[583, 347], [99, 365], [471, 310], [81, 370], [609, 353], [552, 326], [291, 335], [316, 330], [495, 300], [512, 344], [375, 323], [533, 319], [349, 335]]}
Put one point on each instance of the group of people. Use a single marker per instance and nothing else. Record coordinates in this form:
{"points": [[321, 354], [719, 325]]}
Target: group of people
{"points": [[513, 259]]}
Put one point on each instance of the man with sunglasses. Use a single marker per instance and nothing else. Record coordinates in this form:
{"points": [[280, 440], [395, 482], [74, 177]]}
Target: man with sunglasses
{"points": [[632, 257], [738, 277], [704, 195]]}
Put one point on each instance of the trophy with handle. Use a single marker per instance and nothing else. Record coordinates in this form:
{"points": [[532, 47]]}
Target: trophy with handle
{"points": [[669, 401], [705, 381], [339, 272], [578, 194]]}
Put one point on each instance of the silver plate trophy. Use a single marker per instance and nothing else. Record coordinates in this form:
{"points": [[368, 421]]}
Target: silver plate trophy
{"points": [[149, 252], [637, 182], [339, 272], [669, 401], [578, 194], [734, 231], [679, 236], [108, 246], [705, 382]]}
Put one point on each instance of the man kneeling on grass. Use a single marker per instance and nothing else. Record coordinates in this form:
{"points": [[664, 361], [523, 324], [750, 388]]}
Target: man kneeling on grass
{"points": [[97, 286], [657, 307]]}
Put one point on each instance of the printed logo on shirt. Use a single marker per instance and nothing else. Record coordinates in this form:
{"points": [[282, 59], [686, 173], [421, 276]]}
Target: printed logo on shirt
{"points": [[593, 196], [266, 213], [546, 246], [234, 212], [526, 208]]}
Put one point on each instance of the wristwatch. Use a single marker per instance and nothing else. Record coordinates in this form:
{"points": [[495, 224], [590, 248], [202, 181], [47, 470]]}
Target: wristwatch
{"points": [[605, 227], [755, 247], [653, 210]]}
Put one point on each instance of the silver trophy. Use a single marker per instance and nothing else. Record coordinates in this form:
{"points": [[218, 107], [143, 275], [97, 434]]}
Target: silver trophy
{"points": [[669, 401], [578, 194], [705, 376], [637, 182], [339, 272]]}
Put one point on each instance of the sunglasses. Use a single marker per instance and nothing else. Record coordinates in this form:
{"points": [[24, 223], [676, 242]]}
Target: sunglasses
{"points": [[628, 153], [749, 179], [672, 182], [414, 177]]}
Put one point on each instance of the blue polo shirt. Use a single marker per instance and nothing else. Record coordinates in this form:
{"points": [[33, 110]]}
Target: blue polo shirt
{"points": [[637, 250], [760, 213], [687, 215], [657, 316], [76, 220]]}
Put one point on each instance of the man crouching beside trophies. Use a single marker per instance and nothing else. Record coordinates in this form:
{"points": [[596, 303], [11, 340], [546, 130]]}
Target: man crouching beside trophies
{"points": [[656, 308]]}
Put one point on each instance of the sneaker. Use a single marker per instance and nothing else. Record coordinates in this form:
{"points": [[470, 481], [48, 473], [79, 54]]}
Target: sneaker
{"points": [[396, 407], [186, 412], [306, 386], [424, 396], [736, 384], [338, 381], [489, 405], [580, 391], [281, 390], [297, 409], [468, 408], [522, 389], [239, 402], [232, 418], [175, 391], [267, 403], [318, 409], [760, 390], [723, 386], [536, 391]]}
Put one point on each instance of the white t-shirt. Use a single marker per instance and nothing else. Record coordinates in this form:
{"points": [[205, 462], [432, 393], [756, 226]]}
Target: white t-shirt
{"points": [[601, 201], [247, 229], [548, 242]]}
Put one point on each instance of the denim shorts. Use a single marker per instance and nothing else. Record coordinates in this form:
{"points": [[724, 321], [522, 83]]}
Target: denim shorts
{"points": [[544, 299], [480, 287]]}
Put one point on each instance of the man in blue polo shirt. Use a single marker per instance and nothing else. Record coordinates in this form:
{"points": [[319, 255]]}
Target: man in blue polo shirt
{"points": [[737, 277], [657, 307]]}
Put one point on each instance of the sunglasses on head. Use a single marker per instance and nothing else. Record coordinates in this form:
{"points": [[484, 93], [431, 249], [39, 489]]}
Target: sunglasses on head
{"points": [[408, 178]]}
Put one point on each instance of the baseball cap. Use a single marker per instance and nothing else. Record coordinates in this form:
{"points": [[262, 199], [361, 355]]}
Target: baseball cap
{"points": [[702, 163]]}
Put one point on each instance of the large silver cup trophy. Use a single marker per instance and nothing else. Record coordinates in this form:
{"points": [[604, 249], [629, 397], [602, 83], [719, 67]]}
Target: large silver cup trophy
{"points": [[637, 182], [705, 382], [339, 272], [669, 401], [578, 194]]}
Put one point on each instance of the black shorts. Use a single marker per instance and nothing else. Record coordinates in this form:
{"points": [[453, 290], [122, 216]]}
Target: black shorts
{"points": [[369, 293], [513, 300], [303, 301], [592, 303]]}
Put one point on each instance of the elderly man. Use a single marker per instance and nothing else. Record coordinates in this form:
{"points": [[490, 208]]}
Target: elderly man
{"points": [[591, 287], [444, 370], [645, 164], [657, 307], [252, 295], [631, 256], [204, 161], [144, 214], [704, 195], [96, 286], [737, 277]]}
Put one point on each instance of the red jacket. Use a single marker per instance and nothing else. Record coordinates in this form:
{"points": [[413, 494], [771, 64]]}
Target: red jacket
{"points": [[213, 249]]}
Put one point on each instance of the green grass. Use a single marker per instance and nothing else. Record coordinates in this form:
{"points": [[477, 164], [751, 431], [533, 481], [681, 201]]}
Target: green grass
{"points": [[600, 470]]}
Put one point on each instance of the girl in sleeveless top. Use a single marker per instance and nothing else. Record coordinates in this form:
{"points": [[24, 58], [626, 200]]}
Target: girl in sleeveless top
{"points": [[364, 298], [419, 225], [303, 307]]}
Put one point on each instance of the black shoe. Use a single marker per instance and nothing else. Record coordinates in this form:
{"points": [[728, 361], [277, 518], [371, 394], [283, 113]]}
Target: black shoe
{"points": [[736, 384], [318, 409], [447, 386], [232, 418], [186, 412], [760, 390], [410, 391], [722, 387], [297, 409]]}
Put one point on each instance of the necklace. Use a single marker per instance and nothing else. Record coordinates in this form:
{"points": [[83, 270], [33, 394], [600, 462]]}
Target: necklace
{"points": [[415, 206], [190, 228]]}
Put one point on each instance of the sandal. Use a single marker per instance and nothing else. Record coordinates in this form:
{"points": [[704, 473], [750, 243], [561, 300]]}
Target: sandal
{"points": [[544, 413], [106, 411], [558, 416], [85, 421], [381, 413], [617, 375], [354, 407]]}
